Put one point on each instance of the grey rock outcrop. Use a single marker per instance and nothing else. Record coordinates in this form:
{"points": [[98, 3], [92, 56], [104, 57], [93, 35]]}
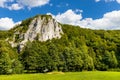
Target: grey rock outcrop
{"points": [[41, 28], [44, 29]]}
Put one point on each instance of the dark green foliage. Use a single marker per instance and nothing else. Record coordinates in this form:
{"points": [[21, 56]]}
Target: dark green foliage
{"points": [[17, 67], [5, 62], [23, 27], [5, 34], [9, 62]]}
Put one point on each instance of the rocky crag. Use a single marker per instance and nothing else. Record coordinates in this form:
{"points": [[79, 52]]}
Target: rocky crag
{"points": [[41, 27]]}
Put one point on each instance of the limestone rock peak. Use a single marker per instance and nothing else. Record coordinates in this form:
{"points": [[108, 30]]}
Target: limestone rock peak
{"points": [[41, 27]]}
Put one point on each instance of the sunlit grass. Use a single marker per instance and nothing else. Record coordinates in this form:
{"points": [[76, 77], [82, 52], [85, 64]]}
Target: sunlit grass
{"points": [[65, 76]]}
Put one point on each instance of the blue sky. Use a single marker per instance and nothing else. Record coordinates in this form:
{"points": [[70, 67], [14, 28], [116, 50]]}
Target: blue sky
{"points": [[94, 14]]}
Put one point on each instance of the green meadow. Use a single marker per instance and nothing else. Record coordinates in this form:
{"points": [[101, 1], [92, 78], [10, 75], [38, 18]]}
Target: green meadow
{"points": [[65, 76]]}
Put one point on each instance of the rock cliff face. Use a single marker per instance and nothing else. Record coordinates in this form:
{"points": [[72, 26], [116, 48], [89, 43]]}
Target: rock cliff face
{"points": [[42, 28]]}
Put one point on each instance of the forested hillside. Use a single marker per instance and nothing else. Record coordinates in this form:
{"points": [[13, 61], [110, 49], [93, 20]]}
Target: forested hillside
{"points": [[9, 62], [78, 49]]}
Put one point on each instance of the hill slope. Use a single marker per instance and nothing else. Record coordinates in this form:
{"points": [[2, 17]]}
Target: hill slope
{"points": [[68, 48]]}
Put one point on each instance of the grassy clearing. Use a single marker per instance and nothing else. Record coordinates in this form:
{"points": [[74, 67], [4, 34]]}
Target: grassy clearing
{"points": [[65, 76]]}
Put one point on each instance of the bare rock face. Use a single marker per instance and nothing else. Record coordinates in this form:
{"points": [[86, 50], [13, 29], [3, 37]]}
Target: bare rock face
{"points": [[41, 28]]}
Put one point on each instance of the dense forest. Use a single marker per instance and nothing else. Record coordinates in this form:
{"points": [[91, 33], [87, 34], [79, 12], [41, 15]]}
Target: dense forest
{"points": [[78, 50]]}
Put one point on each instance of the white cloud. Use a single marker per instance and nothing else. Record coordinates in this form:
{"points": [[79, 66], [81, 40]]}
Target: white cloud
{"points": [[33, 3], [118, 1], [2, 3], [20, 4], [69, 17], [6, 23], [110, 20], [15, 7]]}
